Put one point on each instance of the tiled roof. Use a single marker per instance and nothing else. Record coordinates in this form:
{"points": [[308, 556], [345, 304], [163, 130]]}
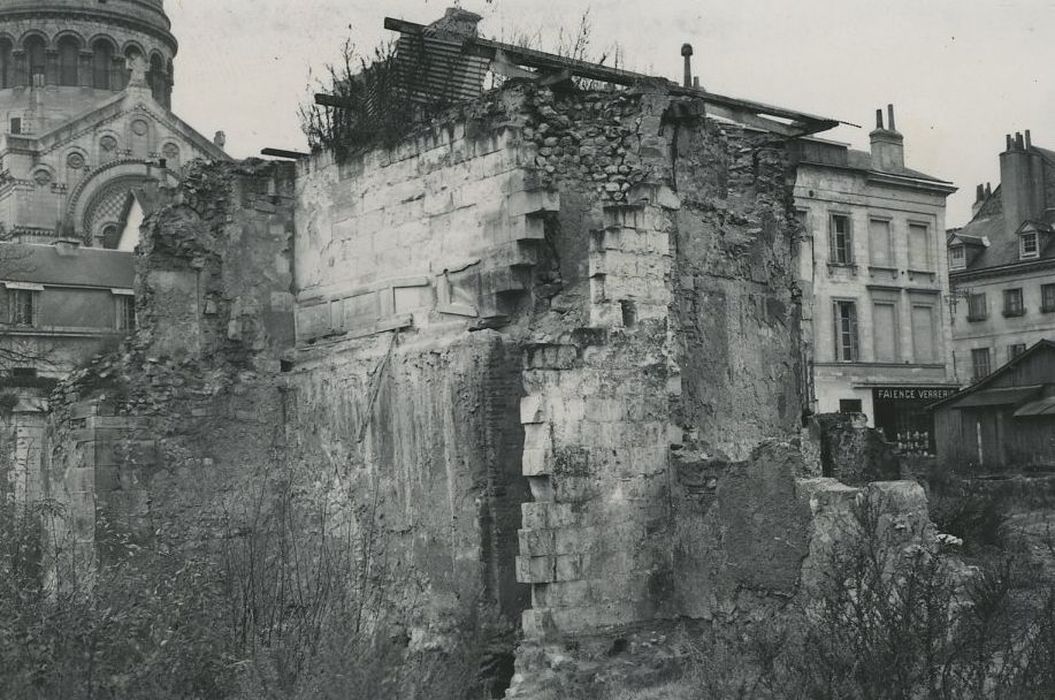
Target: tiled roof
{"points": [[862, 160], [77, 266]]}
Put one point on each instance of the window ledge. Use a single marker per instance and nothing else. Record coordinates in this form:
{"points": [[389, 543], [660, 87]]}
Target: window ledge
{"points": [[1047, 310], [1014, 314], [977, 319]]}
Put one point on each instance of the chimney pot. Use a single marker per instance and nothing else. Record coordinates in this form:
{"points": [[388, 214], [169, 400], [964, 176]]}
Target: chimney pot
{"points": [[979, 193], [1008, 137], [220, 139], [1020, 144], [879, 118], [1029, 140], [686, 51], [988, 189], [890, 120]]}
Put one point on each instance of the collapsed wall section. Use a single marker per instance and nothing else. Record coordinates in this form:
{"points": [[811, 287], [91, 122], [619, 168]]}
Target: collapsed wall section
{"points": [[152, 441]]}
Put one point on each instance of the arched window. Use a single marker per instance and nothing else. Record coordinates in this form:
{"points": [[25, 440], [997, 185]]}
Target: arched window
{"points": [[102, 64], [7, 73], [157, 77], [35, 56], [69, 60]]}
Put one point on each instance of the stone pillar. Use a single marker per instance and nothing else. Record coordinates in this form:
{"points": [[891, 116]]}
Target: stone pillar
{"points": [[51, 67], [21, 75], [85, 70], [595, 543]]}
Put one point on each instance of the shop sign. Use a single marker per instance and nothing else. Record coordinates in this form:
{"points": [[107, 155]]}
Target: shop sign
{"points": [[913, 393]]}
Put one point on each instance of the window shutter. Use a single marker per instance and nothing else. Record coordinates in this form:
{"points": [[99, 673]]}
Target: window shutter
{"points": [[832, 249], [850, 252], [854, 347], [837, 335]]}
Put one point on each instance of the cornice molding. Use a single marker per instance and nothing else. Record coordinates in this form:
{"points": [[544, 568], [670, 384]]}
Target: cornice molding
{"points": [[1002, 270], [122, 20]]}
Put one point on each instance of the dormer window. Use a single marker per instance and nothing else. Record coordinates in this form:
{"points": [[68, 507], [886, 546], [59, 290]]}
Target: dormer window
{"points": [[1029, 245], [957, 258]]}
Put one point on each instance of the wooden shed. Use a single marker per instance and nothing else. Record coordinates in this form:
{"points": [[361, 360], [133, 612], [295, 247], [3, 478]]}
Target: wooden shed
{"points": [[1005, 422]]}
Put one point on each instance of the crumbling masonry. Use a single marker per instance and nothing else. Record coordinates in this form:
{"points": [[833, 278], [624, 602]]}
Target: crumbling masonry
{"points": [[545, 354]]}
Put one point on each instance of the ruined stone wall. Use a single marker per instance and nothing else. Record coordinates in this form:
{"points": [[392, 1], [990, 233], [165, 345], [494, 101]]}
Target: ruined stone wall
{"points": [[153, 440], [623, 246], [419, 435]]}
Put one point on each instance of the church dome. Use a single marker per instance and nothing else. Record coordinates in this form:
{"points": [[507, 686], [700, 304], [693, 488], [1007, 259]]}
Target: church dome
{"points": [[85, 44]]}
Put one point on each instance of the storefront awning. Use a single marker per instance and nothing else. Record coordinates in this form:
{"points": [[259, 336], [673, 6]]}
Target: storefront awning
{"points": [[1043, 407], [1009, 396]]}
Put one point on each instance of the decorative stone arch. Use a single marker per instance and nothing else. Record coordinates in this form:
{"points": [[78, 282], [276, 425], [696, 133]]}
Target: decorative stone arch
{"points": [[133, 45], [104, 190], [107, 63], [20, 45], [103, 36], [172, 152], [66, 34]]}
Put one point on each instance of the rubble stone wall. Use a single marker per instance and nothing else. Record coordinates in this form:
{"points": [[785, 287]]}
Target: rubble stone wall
{"points": [[543, 370]]}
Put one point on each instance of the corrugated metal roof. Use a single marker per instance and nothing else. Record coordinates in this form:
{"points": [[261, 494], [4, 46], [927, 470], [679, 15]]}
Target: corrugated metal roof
{"points": [[73, 265], [1043, 407], [998, 397]]}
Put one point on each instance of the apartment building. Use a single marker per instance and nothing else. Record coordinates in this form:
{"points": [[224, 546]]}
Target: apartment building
{"points": [[1002, 263], [871, 258]]}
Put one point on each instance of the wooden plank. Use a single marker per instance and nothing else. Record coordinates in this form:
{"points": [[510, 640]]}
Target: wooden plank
{"points": [[520, 56], [283, 153]]}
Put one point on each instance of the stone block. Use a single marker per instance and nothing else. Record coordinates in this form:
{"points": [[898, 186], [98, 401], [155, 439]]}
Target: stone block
{"points": [[537, 543], [536, 462], [536, 202], [536, 569], [532, 410], [541, 516], [538, 436]]}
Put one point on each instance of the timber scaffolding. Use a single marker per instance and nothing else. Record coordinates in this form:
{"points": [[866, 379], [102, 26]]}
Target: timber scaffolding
{"points": [[453, 67]]}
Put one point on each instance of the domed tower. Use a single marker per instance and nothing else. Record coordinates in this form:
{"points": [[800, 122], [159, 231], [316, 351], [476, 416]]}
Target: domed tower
{"points": [[85, 113], [81, 50]]}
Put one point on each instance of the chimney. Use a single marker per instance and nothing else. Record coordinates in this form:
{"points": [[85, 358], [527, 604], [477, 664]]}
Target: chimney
{"points": [[888, 146], [456, 24], [220, 139], [979, 200], [686, 51], [1022, 183]]}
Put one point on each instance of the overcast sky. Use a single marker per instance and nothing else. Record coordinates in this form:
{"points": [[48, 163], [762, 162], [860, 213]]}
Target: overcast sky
{"points": [[961, 73]]}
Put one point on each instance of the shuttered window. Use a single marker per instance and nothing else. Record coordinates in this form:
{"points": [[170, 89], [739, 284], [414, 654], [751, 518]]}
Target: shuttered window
{"points": [[884, 321], [846, 345], [980, 363], [879, 251], [923, 335], [977, 307], [919, 247], [841, 240]]}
